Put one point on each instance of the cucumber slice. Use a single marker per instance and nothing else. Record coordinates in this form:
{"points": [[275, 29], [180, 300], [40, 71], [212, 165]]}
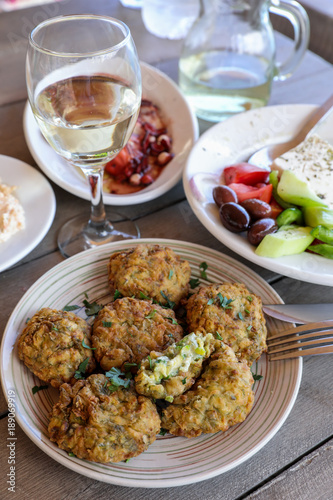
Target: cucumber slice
{"points": [[318, 216], [294, 190], [289, 240]]}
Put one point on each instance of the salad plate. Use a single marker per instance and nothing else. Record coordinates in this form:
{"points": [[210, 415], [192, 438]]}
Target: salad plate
{"points": [[37, 198], [170, 460], [181, 123], [233, 141]]}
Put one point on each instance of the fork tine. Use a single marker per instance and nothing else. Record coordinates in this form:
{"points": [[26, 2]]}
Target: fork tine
{"points": [[298, 345], [309, 327], [299, 352], [299, 337]]}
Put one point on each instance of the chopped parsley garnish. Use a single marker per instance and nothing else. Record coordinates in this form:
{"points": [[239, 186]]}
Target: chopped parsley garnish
{"points": [[194, 282], [171, 304], [71, 454], [107, 324], [38, 388], [219, 336], [170, 274], [81, 371], [224, 302], [55, 328], [71, 308], [184, 381], [255, 376], [143, 296], [87, 346], [151, 314], [240, 315], [174, 322], [163, 432], [210, 302], [92, 308], [116, 295], [203, 267], [249, 298], [115, 377], [150, 363], [247, 311]]}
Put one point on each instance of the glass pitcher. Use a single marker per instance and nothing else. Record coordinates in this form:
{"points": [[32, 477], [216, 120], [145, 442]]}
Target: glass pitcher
{"points": [[227, 62]]}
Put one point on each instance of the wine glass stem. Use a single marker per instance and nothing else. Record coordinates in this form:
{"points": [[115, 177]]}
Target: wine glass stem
{"points": [[97, 219]]}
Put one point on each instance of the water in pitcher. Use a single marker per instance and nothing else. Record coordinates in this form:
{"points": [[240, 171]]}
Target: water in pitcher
{"points": [[227, 61], [220, 85]]}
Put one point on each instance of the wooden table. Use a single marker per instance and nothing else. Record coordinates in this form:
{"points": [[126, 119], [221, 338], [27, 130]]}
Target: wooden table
{"points": [[298, 462]]}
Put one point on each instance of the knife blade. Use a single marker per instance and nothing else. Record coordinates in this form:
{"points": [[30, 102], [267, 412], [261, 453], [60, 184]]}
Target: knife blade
{"points": [[300, 313]]}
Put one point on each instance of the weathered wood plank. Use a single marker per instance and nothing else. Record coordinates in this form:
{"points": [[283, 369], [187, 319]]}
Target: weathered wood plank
{"points": [[290, 484]]}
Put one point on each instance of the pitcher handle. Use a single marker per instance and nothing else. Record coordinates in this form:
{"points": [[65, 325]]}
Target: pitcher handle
{"points": [[298, 17]]}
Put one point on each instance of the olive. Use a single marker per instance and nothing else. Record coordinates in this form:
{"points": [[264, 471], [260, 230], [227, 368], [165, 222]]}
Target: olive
{"points": [[259, 229], [234, 217], [257, 209], [224, 194]]}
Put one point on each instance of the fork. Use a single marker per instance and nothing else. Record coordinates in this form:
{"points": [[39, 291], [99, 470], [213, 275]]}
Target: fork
{"points": [[305, 340]]}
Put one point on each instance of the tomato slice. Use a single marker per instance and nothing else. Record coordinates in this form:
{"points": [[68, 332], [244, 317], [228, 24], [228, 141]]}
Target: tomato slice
{"points": [[276, 208], [245, 173], [115, 166], [245, 192]]}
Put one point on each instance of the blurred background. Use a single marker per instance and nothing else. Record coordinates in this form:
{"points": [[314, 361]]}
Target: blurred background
{"points": [[320, 13]]}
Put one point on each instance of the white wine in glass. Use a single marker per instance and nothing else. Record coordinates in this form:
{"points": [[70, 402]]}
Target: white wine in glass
{"points": [[84, 87]]}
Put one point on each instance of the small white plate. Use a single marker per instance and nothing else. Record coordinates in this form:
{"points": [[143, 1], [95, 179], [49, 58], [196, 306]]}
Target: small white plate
{"points": [[232, 141], [182, 125], [38, 201], [170, 460]]}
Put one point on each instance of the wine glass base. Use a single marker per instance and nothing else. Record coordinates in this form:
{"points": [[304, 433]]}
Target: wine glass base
{"points": [[76, 235]]}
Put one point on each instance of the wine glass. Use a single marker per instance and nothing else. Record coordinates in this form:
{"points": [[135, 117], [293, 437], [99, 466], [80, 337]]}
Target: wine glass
{"points": [[84, 88]]}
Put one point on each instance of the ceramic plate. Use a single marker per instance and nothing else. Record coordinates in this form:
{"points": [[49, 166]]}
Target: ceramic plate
{"points": [[37, 198], [235, 140], [181, 123], [170, 460]]}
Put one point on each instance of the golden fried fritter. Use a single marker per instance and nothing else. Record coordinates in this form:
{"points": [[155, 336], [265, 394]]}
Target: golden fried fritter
{"points": [[234, 313], [149, 271], [127, 330], [51, 345], [103, 426], [221, 397], [170, 373]]}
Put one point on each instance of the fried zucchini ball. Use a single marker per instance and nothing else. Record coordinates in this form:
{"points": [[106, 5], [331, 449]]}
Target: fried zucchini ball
{"points": [[221, 397], [99, 425], [127, 330], [234, 313], [149, 271], [52, 345], [170, 373]]}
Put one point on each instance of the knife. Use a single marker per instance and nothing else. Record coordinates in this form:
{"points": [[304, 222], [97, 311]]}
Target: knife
{"points": [[300, 313]]}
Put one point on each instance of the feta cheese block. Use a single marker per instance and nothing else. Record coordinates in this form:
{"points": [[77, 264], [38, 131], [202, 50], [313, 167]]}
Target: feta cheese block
{"points": [[312, 161]]}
